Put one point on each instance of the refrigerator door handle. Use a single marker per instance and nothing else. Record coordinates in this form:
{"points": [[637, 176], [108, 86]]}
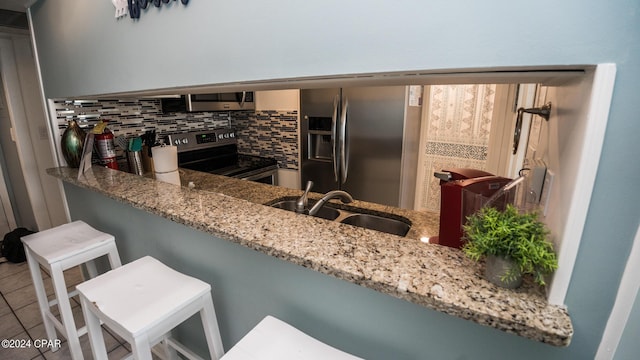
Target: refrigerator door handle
{"points": [[334, 138], [344, 144]]}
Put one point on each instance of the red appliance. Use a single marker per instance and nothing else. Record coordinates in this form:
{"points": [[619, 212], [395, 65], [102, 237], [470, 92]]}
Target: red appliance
{"points": [[463, 192], [106, 149]]}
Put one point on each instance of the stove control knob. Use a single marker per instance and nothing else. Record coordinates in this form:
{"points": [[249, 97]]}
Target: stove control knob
{"points": [[185, 141], [176, 141]]}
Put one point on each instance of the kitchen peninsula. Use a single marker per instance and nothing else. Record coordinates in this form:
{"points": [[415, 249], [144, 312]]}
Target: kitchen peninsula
{"points": [[270, 271]]}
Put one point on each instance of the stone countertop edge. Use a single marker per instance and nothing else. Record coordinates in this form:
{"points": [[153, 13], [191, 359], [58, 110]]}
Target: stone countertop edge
{"points": [[436, 277]]}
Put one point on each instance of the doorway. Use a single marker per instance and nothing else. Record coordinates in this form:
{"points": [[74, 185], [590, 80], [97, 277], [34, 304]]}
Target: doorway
{"points": [[36, 197], [468, 126], [7, 217]]}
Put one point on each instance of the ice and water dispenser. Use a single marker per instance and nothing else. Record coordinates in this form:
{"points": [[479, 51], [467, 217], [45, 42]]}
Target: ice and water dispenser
{"points": [[319, 141], [463, 192]]}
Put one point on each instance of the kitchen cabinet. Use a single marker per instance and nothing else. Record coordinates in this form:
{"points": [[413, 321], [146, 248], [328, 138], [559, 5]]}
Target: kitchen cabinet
{"points": [[278, 100]]}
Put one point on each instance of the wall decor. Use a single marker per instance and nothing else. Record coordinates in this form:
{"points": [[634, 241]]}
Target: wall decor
{"points": [[121, 7], [134, 7]]}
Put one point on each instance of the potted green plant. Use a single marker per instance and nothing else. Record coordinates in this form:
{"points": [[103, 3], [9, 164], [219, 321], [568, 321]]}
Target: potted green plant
{"points": [[514, 244]]}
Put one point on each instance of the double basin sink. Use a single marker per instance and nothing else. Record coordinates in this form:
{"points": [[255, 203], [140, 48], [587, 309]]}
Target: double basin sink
{"points": [[387, 223]]}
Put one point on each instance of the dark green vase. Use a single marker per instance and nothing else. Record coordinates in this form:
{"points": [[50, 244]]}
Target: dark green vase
{"points": [[72, 143]]}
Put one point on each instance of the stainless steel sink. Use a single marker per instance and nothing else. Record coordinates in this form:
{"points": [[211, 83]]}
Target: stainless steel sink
{"points": [[325, 212], [378, 223], [391, 224]]}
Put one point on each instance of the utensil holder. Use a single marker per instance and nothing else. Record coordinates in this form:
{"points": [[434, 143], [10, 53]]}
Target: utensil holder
{"points": [[147, 160], [135, 162]]}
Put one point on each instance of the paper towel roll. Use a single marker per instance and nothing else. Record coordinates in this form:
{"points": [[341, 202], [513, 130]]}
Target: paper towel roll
{"points": [[165, 158], [172, 177]]}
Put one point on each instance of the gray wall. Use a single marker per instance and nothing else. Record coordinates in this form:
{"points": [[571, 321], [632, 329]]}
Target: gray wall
{"points": [[628, 347], [84, 50]]}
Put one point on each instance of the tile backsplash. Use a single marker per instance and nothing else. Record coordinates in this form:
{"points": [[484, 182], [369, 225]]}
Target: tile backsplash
{"points": [[269, 133], [264, 133]]}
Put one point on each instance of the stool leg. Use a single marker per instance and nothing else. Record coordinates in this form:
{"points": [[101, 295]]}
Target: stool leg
{"points": [[94, 331], [211, 330], [59, 285], [41, 295], [141, 349], [114, 258], [169, 351], [92, 271], [114, 261]]}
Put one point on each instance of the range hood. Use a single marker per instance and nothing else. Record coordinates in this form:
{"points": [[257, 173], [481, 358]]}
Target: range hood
{"points": [[226, 101]]}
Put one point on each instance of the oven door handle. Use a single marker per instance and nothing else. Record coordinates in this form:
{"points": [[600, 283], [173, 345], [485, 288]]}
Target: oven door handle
{"points": [[270, 173]]}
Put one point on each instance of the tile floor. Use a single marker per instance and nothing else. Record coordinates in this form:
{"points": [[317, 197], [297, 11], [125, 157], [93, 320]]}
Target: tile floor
{"points": [[20, 317]]}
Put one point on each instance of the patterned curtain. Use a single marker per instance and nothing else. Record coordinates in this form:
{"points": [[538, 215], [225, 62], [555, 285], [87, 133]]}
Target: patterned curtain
{"points": [[458, 123]]}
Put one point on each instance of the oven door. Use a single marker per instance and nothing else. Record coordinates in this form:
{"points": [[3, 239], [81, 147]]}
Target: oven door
{"points": [[208, 161]]}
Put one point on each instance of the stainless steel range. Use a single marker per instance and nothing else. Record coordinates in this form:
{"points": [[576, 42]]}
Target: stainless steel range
{"points": [[216, 152]]}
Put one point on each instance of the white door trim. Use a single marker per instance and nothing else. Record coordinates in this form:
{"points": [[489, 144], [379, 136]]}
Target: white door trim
{"points": [[20, 124], [421, 172], [597, 118], [6, 201], [501, 133], [625, 299]]}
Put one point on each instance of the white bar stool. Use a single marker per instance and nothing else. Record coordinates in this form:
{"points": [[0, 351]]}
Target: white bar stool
{"points": [[274, 339], [144, 300], [58, 249]]}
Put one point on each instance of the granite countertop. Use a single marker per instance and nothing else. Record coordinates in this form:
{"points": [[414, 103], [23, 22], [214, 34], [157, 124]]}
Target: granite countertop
{"points": [[433, 276], [423, 224]]}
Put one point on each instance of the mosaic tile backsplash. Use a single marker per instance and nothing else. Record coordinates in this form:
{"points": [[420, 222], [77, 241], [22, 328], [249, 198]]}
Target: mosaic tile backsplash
{"points": [[264, 133], [269, 133]]}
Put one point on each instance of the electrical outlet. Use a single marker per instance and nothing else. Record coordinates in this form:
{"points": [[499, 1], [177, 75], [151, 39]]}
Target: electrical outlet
{"points": [[546, 191], [42, 132], [537, 176]]}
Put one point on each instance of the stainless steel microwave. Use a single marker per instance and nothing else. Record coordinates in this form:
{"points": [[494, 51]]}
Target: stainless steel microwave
{"points": [[241, 100]]}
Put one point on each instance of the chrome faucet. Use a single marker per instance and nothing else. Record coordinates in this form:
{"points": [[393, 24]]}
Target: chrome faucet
{"points": [[302, 204], [342, 195]]}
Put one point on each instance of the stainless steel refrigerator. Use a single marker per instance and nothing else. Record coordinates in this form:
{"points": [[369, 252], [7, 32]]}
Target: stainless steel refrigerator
{"points": [[352, 139]]}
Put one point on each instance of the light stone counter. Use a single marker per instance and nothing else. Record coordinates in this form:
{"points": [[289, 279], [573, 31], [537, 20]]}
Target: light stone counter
{"points": [[433, 276]]}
